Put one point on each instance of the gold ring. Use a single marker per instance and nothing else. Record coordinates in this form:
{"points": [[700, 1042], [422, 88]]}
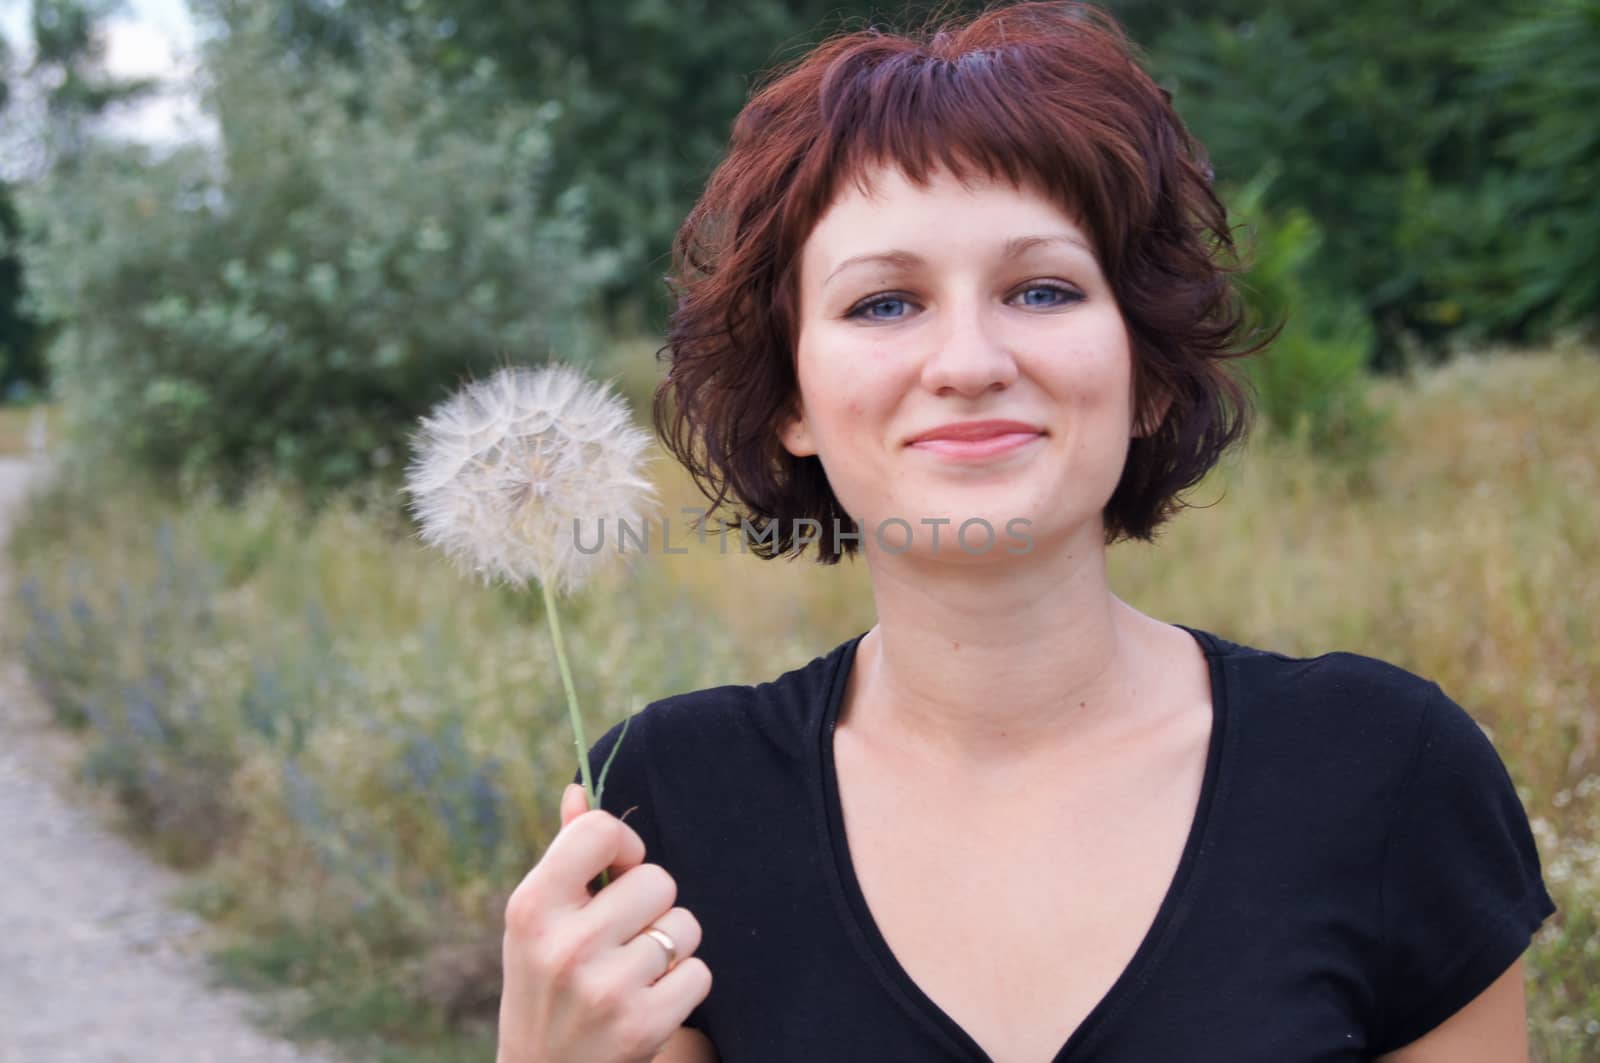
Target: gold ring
{"points": [[665, 942]]}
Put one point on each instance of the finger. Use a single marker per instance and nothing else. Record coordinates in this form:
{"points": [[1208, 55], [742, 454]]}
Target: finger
{"points": [[574, 803], [669, 1000], [593, 842], [638, 897], [681, 990], [642, 961], [649, 957]]}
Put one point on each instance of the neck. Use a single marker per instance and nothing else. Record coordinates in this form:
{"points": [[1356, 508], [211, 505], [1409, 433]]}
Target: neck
{"points": [[991, 668]]}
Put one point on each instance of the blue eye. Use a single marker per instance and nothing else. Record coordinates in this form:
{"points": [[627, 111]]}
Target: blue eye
{"points": [[1061, 295], [860, 310]]}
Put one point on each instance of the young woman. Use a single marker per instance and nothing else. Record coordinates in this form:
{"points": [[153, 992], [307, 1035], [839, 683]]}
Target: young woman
{"points": [[960, 303]]}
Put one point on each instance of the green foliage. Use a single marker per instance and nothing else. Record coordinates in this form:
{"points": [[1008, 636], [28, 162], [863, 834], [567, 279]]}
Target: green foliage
{"points": [[1544, 69], [69, 45], [68, 72], [1441, 147], [1312, 382], [21, 357], [366, 237], [1516, 251], [649, 92]]}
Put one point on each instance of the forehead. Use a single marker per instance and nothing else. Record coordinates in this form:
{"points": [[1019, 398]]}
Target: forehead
{"points": [[882, 205]]}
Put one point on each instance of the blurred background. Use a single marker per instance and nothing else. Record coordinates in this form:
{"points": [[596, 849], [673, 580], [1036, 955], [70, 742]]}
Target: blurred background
{"points": [[244, 245]]}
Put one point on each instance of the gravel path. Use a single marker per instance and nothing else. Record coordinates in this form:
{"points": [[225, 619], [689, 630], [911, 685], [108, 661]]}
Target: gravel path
{"points": [[96, 966]]}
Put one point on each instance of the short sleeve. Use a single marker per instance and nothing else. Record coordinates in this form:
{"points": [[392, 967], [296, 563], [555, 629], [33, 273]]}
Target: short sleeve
{"points": [[1462, 891]]}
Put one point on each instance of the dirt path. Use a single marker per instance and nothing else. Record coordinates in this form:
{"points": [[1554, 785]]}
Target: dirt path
{"points": [[95, 965]]}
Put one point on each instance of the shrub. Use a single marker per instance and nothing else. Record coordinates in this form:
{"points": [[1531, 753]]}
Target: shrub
{"points": [[1312, 381], [293, 302]]}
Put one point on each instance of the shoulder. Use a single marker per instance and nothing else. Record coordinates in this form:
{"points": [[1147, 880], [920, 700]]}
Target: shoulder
{"points": [[782, 713], [677, 759], [1335, 698], [1333, 673], [1343, 733]]}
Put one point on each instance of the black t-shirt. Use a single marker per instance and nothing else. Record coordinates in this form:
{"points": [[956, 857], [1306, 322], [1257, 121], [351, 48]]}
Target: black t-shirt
{"points": [[1359, 868]]}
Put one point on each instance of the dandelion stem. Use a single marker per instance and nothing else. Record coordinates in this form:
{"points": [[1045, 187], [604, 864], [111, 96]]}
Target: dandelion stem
{"points": [[572, 701]]}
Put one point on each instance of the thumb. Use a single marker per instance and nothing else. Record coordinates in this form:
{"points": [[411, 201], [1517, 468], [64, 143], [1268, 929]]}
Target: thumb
{"points": [[574, 802]]}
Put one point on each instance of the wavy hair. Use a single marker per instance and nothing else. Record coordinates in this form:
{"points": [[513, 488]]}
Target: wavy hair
{"points": [[1049, 94]]}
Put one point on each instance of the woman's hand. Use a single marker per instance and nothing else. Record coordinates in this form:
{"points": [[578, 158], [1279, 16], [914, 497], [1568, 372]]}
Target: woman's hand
{"points": [[582, 984]]}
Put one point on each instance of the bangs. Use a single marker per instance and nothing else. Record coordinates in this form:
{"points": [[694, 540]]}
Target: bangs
{"points": [[1002, 113]]}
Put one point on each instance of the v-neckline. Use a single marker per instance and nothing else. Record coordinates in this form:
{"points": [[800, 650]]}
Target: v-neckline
{"points": [[1169, 916]]}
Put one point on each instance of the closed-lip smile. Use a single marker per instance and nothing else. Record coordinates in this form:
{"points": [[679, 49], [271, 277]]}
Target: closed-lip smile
{"points": [[970, 441], [974, 431]]}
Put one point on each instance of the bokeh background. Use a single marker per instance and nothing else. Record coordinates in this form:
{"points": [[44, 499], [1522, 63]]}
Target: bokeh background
{"points": [[220, 335]]}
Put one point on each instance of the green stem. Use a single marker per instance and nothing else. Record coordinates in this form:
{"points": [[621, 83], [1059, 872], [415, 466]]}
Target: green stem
{"points": [[572, 702]]}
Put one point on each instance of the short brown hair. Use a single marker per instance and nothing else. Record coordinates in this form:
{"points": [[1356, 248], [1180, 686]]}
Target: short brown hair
{"points": [[1097, 135]]}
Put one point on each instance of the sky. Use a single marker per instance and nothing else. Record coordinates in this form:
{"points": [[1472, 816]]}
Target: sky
{"points": [[148, 38]]}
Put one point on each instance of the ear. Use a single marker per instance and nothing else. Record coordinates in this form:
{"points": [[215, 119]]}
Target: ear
{"points": [[795, 433], [1147, 426]]}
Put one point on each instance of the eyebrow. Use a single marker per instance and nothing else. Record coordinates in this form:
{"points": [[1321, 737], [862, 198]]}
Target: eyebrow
{"points": [[904, 259]]}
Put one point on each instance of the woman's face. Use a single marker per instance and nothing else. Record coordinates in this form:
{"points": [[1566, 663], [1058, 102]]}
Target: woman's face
{"points": [[927, 308]]}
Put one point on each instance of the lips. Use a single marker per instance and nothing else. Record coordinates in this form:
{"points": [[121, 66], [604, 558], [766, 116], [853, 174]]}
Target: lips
{"points": [[976, 431], [967, 442]]}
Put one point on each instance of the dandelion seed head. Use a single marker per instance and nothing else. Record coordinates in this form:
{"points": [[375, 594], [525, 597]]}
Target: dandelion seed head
{"points": [[505, 472]]}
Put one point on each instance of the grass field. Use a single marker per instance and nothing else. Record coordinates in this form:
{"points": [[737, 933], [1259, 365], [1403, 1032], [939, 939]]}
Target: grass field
{"points": [[269, 692]]}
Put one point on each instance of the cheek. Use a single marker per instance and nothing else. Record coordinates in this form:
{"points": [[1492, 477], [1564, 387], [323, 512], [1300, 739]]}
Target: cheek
{"points": [[842, 414], [1098, 371], [837, 394], [1091, 379]]}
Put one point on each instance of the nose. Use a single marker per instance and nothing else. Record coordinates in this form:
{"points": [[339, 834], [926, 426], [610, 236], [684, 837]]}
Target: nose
{"points": [[968, 356]]}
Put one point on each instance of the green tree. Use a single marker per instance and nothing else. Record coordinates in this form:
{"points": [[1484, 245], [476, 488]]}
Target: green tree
{"points": [[293, 305], [69, 61], [67, 80], [21, 354], [19, 343], [1442, 147], [1544, 70]]}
